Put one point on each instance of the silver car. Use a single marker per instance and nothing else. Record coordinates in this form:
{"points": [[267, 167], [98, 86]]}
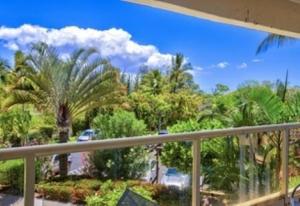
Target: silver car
{"points": [[175, 179], [86, 135]]}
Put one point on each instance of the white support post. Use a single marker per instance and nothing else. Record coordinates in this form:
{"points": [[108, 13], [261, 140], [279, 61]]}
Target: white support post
{"points": [[196, 173], [285, 161], [29, 180]]}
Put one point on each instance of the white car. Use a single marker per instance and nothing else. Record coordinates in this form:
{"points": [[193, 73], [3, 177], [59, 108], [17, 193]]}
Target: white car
{"points": [[86, 135], [172, 178]]}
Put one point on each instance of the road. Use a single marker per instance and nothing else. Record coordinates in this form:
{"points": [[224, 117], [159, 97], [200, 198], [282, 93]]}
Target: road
{"points": [[79, 161], [6, 199]]}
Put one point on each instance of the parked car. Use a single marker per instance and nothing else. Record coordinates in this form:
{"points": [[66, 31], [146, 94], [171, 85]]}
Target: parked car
{"points": [[173, 178], [163, 132], [87, 135]]}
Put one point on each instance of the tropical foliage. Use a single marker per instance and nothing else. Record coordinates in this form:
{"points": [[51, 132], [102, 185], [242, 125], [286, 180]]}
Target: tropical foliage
{"points": [[67, 88], [119, 163], [46, 98]]}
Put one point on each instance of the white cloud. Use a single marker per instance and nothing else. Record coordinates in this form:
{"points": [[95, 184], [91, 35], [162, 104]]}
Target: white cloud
{"points": [[159, 60], [222, 65], [192, 72], [114, 44], [198, 68], [257, 60], [243, 65]]}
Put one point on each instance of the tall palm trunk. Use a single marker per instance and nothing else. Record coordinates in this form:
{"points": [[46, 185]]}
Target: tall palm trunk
{"points": [[63, 158], [278, 160], [242, 161], [63, 124]]}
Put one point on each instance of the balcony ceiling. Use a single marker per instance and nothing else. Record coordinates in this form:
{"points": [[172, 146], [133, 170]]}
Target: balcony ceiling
{"points": [[274, 16]]}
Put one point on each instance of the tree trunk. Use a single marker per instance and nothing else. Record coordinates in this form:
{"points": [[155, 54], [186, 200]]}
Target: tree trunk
{"points": [[63, 124], [63, 158], [278, 162], [242, 161]]}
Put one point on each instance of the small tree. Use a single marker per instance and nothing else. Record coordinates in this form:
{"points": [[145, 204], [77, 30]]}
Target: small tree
{"points": [[119, 163], [14, 126], [218, 155]]}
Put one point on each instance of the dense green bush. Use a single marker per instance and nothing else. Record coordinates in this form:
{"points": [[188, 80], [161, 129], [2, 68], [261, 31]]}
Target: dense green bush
{"points": [[218, 155], [179, 154], [14, 126], [95, 192], [78, 125], [120, 124], [127, 163], [12, 174], [46, 131], [54, 192], [42, 135], [68, 190], [36, 136]]}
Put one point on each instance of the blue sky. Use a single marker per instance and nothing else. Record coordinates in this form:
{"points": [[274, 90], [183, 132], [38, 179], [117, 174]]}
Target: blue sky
{"points": [[221, 53]]}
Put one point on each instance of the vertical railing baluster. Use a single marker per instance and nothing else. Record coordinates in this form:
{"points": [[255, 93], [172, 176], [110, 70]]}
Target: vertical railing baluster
{"points": [[196, 173], [285, 164], [29, 180]]}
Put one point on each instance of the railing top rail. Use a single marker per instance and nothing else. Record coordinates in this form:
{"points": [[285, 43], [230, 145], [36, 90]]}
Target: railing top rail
{"points": [[21, 152]]}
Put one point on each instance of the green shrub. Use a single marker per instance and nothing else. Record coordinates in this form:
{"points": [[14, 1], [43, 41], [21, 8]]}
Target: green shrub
{"points": [[74, 190], [36, 136], [93, 200], [94, 192], [46, 132], [79, 194], [12, 174], [179, 154], [55, 192], [120, 124], [78, 125], [127, 163], [92, 184], [14, 126], [218, 155]]}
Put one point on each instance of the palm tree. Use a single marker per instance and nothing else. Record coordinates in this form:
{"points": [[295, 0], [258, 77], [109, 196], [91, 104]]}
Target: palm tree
{"points": [[273, 40], [179, 76], [262, 105], [153, 82], [3, 70], [4, 76], [67, 88]]}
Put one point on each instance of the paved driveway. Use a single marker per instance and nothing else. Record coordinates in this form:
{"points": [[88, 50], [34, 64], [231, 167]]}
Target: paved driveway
{"points": [[10, 200], [79, 161]]}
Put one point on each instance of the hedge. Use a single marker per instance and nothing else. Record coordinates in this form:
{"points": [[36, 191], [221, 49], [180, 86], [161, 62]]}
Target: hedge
{"points": [[95, 192], [12, 174]]}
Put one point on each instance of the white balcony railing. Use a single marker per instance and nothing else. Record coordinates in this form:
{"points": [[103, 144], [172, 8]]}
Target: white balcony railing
{"points": [[29, 153]]}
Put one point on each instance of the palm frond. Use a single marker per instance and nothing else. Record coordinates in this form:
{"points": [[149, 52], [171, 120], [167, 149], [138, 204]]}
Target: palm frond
{"points": [[268, 102], [273, 40], [78, 84]]}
